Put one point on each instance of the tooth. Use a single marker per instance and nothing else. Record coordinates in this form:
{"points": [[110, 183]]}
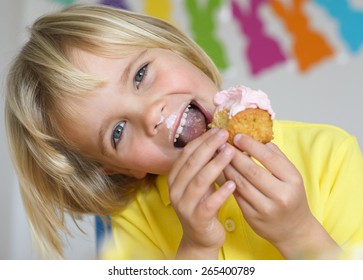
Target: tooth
{"points": [[182, 123], [179, 130]]}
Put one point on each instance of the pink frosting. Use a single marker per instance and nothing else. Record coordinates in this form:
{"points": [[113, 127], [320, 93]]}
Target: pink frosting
{"points": [[239, 98]]}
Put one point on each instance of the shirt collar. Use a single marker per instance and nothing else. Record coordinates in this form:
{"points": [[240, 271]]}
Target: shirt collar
{"points": [[162, 185]]}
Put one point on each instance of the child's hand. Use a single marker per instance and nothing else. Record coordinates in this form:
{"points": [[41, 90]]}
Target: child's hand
{"points": [[195, 197], [273, 200]]}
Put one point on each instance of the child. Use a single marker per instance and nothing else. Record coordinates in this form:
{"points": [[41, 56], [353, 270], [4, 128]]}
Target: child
{"points": [[93, 111]]}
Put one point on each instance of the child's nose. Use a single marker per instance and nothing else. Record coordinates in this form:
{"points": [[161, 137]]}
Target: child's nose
{"points": [[153, 117]]}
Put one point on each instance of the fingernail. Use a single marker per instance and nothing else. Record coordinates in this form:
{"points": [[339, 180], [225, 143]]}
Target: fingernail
{"points": [[230, 185], [221, 148], [227, 150], [222, 133], [237, 138]]}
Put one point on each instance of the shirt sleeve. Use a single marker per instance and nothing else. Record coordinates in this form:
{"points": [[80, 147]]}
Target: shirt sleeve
{"points": [[343, 207]]}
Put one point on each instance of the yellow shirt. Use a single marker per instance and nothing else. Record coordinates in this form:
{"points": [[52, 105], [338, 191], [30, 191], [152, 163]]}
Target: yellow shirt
{"points": [[331, 164]]}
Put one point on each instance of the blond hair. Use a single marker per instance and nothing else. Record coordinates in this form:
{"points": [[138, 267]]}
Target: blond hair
{"points": [[54, 177]]}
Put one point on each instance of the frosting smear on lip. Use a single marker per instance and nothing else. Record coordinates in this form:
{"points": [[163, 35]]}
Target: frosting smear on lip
{"points": [[240, 98]]}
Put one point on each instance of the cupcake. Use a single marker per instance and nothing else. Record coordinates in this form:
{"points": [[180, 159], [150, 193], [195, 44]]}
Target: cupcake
{"points": [[240, 109]]}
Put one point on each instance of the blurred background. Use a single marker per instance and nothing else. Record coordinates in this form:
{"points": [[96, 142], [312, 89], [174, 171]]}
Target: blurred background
{"points": [[307, 55]]}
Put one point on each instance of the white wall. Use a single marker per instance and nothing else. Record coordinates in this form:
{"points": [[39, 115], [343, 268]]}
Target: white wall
{"points": [[329, 93]]}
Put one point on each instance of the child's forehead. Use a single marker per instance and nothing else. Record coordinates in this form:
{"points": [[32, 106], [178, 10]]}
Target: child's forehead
{"points": [[92, 71], [76, 52], [102, 67]]}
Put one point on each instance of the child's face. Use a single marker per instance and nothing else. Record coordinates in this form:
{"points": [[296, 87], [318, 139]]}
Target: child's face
{"points": [[130, 123]]}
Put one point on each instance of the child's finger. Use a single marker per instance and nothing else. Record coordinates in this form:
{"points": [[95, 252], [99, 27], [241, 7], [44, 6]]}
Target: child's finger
{"points": [[252, 195], [191, 162], [210, 206], [201, 182], [284, 170], [250, 174], [188, 150], [269, 155], [248, 210]]}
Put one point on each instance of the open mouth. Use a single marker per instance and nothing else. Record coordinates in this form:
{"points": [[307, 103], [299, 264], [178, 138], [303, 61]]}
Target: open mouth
{"points": [[193, 123]]}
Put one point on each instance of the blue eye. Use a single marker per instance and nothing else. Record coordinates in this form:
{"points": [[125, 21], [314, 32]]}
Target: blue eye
{"points": [[117, 133], [140, 75]]}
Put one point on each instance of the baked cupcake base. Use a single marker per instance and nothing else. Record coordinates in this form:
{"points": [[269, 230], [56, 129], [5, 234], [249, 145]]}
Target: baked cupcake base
{"points": [[254, 122]]}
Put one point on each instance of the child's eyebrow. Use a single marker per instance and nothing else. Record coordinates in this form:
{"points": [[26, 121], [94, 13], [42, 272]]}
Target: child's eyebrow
{"points": [[126, 73]]}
